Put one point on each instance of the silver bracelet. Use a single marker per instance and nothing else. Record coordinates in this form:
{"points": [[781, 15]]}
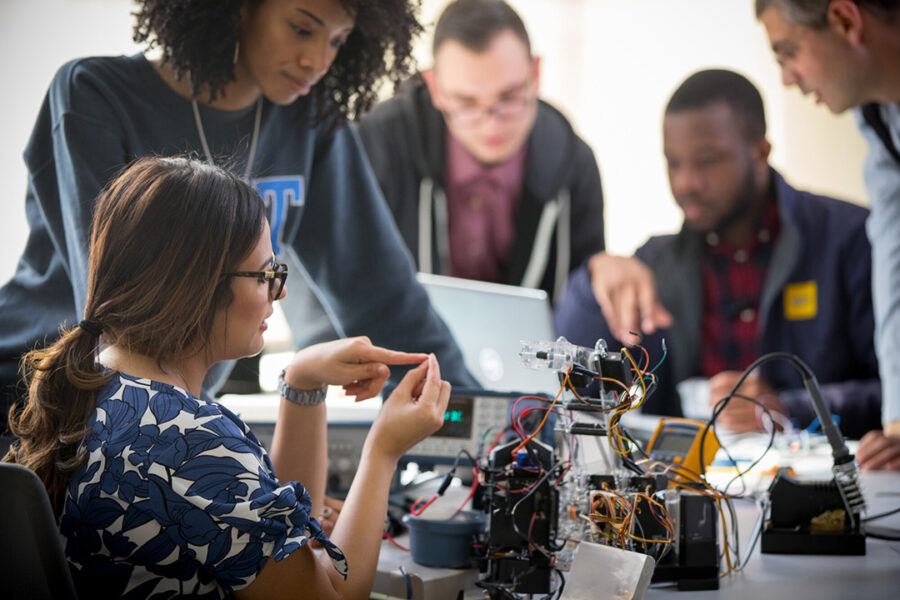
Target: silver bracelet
{"points": [[300, 397]]}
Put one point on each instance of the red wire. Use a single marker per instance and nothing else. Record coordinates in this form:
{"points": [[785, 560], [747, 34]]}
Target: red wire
{"points": [[515, 418], [497, 439], [531, 525], [525, 441], [524, 489], [416, 511], [563, 474], [471, 493], [386, 536], [525, 412]]}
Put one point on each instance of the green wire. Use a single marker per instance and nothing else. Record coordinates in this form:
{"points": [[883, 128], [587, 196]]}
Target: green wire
{"points": [[665, 352], [485, 434]]}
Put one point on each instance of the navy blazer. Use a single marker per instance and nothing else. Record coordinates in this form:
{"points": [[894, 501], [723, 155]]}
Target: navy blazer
{"points": [[816, 303]]}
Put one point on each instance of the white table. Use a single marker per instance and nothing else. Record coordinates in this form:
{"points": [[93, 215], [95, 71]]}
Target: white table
{"points": [[765, 577]]}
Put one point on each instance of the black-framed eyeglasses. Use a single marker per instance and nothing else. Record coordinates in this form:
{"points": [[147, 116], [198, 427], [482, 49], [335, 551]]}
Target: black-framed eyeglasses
{"points": [[507, 108], [276, 277]]}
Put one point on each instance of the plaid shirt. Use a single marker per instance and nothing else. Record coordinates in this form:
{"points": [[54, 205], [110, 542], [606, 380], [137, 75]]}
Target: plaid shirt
{"points": [[733, 279]]}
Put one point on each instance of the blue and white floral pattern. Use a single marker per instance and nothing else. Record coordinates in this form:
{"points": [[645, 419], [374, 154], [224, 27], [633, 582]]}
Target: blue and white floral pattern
{"points": [[177, 497]]}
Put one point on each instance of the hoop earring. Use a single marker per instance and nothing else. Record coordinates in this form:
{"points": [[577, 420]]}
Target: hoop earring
{"points": [[237, 51]]}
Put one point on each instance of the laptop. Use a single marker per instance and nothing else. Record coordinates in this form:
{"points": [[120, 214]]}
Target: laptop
{"points": [[489, 322]]}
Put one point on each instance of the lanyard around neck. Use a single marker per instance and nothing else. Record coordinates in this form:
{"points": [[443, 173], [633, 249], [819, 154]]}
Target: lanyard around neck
{"points": [[253, 138]]}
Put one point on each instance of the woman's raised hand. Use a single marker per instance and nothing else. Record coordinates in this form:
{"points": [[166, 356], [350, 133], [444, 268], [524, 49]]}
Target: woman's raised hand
{"points": [[413, 411], [355, 363]]}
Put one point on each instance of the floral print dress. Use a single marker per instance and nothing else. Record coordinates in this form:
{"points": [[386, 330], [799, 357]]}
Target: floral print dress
{"points": [[177, 498]]}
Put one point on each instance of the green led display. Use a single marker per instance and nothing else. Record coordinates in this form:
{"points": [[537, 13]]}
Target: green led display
{"points": [[453, 416]]}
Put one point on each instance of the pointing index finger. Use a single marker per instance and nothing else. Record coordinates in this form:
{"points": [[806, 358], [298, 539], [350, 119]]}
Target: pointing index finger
{"points": [[394, 357]]}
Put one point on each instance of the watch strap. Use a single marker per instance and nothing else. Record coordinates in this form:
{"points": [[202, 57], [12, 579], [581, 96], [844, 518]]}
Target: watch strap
{"points": [[300, 397]]}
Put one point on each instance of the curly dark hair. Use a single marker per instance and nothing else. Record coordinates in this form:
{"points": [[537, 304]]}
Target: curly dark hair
{"points": [[198, 37]]}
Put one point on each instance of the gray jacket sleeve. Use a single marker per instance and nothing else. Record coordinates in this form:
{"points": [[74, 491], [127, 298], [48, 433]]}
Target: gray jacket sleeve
{"points": [[350, 246], [882, 177]]}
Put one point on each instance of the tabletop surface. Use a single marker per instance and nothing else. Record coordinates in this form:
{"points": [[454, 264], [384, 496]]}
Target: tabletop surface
{"points": [[875, 575]]}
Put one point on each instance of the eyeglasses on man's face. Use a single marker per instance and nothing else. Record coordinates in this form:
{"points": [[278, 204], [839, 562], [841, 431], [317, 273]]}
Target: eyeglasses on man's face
{"points": [[276, 277], [510, 106]]}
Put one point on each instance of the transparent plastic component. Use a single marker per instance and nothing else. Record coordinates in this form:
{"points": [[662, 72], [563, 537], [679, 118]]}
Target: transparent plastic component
{"points": [[549, 356]]}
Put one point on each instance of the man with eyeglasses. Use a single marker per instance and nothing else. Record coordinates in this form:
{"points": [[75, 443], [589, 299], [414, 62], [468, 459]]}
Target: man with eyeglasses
{"points": [[847, 54], [485, 180]]}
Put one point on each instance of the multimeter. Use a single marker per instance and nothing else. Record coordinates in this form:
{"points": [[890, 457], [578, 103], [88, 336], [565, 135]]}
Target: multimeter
{"points": [[677, 441]]}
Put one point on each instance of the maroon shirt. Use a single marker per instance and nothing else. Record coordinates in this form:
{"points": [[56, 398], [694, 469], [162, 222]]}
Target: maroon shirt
{"points": [[733, 279], [481, 206]]}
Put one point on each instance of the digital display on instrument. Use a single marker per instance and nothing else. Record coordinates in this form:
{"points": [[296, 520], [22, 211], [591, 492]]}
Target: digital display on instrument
{"points": [[675, 442], [458, 418], [686, 443]]}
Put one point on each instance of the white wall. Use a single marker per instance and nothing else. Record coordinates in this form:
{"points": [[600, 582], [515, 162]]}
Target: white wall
{"points": [[36, 37], [610, 65], [633, 53]]}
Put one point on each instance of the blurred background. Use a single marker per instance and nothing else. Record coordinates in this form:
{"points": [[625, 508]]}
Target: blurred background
{"points": [[609, 65]]}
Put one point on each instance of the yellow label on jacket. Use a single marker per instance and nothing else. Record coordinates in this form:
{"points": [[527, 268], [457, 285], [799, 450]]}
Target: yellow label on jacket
{"points": [[801, 301]]}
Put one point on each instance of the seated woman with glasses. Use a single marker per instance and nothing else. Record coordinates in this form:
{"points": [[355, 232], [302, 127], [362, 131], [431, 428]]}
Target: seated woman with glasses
{"points": [[161, 493]]}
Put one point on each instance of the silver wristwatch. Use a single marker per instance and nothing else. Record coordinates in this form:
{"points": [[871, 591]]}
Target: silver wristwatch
{"points": [[300, 397]]}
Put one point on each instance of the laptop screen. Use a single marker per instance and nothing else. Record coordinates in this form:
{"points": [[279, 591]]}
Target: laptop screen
{"points": [[489, 322]]}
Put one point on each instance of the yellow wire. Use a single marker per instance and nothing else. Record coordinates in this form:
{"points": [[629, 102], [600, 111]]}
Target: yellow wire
{"points": [[639, 374], [640, 539]]}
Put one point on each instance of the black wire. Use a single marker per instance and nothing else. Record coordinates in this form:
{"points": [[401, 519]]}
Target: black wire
{"points": [[533, 489], [582, 370], [640, 527], [731, 458], [883, 533], [460, 455], [562, 584], [632, 466], [882, 515], [416, 483], [627, 435], [517, 576], [502, 588], [798, 364]]}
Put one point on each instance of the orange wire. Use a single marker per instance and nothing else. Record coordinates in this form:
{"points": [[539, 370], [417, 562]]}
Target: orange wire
{"points": [[568, 382], [647, 356], [546, 415]]}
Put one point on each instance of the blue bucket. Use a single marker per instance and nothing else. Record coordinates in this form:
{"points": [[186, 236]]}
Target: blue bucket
{"points": [[445, 543]]}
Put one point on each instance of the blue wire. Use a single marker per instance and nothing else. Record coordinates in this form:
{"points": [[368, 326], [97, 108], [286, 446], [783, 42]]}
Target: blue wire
{"points": [[408, 583], [816, 425]]}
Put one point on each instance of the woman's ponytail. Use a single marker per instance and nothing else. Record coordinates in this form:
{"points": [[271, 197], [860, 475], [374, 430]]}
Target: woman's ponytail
{"points": [[62, 382]]}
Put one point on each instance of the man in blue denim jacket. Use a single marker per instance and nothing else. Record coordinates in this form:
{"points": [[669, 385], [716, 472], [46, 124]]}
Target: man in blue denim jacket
{"points": [[758, 267], [847, 53]]}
